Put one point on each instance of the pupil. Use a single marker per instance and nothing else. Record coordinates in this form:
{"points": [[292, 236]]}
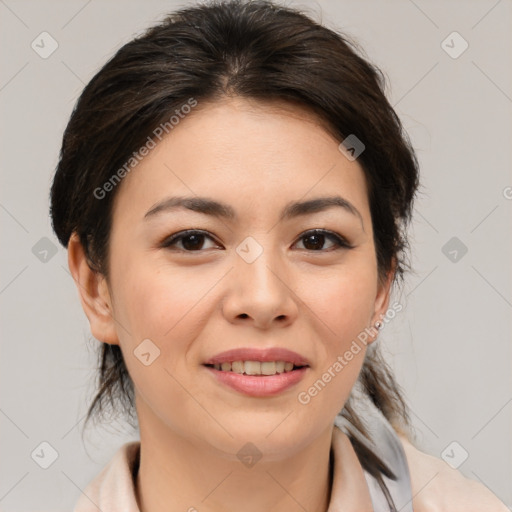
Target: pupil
{"points": [[318, 238], [196, 242]]}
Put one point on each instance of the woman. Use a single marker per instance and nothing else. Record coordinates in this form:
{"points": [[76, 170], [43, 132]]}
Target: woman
{"points": [[234, 191]]}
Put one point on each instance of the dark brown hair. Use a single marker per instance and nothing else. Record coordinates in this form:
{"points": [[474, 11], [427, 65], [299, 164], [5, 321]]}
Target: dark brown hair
{"points": [[256, 50]]}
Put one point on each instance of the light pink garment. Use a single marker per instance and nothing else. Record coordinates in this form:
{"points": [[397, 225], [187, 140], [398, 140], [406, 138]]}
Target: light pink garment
{"points": [[112, 490]]}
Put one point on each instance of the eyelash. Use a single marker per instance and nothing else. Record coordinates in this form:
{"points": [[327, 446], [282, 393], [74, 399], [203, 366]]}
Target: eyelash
{"points": [[340, 242]]}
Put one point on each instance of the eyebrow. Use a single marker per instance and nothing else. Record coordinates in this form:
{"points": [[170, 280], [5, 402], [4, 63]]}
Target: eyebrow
{"points": [[214, 208]]}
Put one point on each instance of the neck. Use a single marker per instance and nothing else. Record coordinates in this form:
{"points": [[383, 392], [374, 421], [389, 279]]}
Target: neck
{"points": [[177, 473]]}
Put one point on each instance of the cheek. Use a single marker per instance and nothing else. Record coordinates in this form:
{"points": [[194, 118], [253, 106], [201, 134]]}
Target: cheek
{"points": [[166, 306], [341, 304], [342, 301], [171, 309]]}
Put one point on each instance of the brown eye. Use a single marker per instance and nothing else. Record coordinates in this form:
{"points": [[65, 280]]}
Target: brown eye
{"points": [[194, 241], [315, 240], [191, 241]]}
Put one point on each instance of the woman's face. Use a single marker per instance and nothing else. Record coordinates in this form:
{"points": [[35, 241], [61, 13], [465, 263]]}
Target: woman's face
{"points": [[255, 279]]}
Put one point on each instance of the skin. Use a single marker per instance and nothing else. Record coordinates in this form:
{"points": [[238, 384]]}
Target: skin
{"points": [[192, 305]]}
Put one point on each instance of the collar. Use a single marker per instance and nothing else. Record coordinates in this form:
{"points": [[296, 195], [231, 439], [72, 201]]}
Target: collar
{"points": [[114, 487]]}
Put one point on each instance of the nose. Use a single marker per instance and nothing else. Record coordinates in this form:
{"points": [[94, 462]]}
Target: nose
{"points": [[261, 294]]}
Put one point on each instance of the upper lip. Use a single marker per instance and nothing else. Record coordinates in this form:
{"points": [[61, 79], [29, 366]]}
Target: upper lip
{"points": [[258, 354]]}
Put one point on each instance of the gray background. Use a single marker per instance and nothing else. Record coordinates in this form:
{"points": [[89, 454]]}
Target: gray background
{"points": [[450, 346]]}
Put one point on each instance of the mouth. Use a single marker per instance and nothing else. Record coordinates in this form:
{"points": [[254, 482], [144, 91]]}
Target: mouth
{"points": [[258, 372], [259, 368], [246, 360]]}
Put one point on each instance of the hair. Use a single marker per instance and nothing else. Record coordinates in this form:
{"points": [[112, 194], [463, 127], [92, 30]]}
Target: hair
{"points": [[256, 50]]}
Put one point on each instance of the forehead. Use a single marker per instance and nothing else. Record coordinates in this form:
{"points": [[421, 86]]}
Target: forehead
{"points": [[246, 152]]}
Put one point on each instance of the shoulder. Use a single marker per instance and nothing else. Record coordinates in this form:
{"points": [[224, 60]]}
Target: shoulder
{"points": [[437, 487]]}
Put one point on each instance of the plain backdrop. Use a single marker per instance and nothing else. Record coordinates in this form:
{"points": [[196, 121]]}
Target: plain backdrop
{"points": [[451, 344]]}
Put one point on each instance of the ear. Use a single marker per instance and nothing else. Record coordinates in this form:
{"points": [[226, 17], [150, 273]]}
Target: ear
{"points": [[94, 294], [381, 302]]}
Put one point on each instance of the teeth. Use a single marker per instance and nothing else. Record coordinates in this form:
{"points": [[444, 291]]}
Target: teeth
{"points": [[252, 367], [237, 366], [268, 368], [255, 367]]}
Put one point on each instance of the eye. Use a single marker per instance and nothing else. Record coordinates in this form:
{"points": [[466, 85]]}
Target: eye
{"points": [[191, 240], [315, 240]]}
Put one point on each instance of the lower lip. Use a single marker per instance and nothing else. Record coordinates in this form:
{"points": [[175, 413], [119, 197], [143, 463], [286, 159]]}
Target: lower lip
{"points": [[259, 385]]}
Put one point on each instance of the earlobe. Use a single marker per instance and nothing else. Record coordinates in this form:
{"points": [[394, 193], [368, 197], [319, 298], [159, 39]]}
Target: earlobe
{"points": [[93, 291]]}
